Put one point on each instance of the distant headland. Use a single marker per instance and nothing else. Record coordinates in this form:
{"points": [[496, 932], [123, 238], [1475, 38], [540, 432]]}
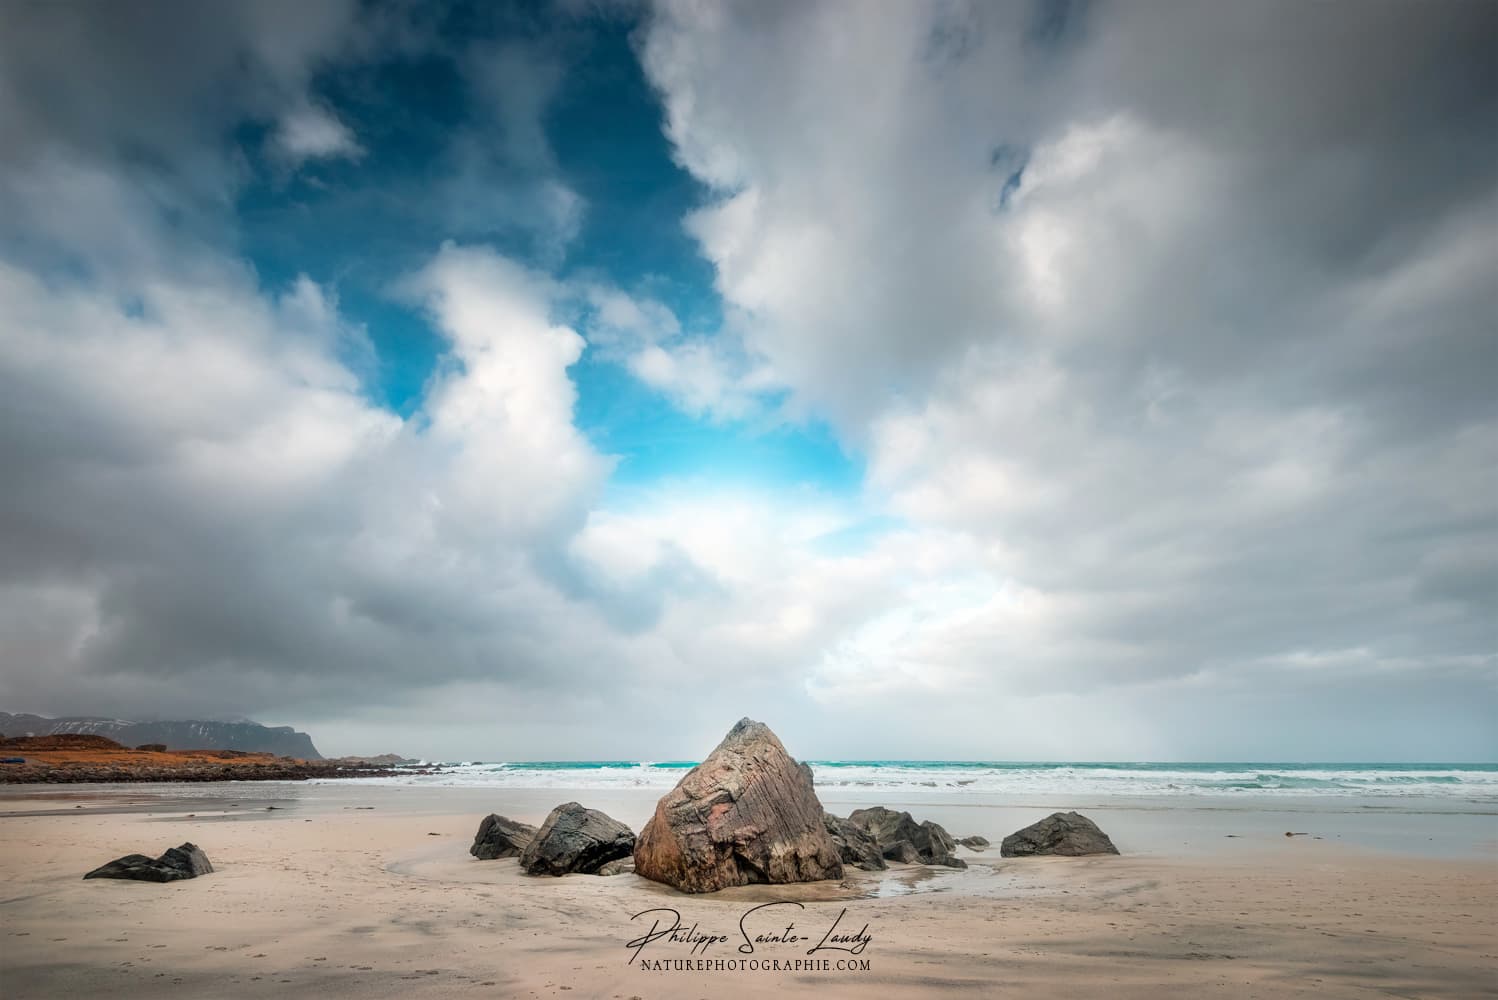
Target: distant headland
{"points": [[250, 737]]}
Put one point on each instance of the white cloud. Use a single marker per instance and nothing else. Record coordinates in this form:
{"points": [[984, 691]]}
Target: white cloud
{"points": [[700, 379], [310, 132], [619, 318], [704, 376], [504, 409]]}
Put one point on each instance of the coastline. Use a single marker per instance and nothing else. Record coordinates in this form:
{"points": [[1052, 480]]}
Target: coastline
{"points": [[363, 889], [73, 759]]}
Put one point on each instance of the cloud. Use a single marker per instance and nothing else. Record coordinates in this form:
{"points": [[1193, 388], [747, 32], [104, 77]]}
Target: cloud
{"points": [[1170, 355], [204, 492], [502, 409], [703, 375], [503, 171], [313, 133], [1162, 335], [166, 80]]}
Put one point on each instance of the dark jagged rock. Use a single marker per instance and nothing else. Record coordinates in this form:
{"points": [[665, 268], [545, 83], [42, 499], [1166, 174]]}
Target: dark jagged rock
{"points": [[747, 814], [1069, 833], [575, 839], [499, 837], [904, 852], [975, 843], [940, 838], [928, 842], [854, 845], [187, 861]]}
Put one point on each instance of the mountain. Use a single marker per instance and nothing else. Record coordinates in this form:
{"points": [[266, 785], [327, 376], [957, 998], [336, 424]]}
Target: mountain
{"points": [[283, 741]]}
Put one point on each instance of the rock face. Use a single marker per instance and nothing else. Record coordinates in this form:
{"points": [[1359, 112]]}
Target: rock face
{"points": [[283, 741], [975, 843], [854, 845], [901, 838], [499, 837], [1068, 833], [746, 814], [187, 861], [575, 839]]}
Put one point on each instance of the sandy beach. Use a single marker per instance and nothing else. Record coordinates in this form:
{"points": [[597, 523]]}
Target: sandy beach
{"points": [[369, 891]]}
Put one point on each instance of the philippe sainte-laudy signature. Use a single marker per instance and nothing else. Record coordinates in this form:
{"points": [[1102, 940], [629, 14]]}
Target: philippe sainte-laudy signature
{"points": [[759, 928]]}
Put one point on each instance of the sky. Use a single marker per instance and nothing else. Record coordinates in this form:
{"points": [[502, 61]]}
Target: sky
{"points": [[566, 380]]}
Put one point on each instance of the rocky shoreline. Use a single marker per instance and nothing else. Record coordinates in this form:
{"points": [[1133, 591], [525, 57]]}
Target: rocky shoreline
{"points": [[749, 815], [76, 759]]}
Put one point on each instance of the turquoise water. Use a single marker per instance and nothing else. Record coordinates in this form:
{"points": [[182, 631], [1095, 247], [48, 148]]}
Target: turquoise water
{"points": [[1467, 781]]}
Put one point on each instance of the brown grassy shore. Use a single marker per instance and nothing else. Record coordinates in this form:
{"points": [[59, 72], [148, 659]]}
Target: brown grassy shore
{"points": [[71, 759]]}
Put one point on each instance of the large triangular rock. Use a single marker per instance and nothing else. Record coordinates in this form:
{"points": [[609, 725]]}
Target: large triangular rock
{"points": [[746, 814], [902, 839], [1069, 833]]}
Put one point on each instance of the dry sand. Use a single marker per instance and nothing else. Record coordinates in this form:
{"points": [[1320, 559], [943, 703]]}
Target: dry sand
{"points": [[369, 903]]}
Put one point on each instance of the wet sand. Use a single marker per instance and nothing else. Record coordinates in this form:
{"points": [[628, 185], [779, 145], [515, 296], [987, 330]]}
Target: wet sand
{"points": [[371, 893]]}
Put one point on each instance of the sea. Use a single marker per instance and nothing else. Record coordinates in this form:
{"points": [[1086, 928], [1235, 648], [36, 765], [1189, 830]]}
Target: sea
{"points": [[903, 779]]}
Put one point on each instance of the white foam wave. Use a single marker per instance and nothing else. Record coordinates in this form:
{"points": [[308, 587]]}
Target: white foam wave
{"points": [[1046, 779]]}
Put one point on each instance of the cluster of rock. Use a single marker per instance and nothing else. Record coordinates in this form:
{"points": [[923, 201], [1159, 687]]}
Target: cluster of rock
{"points": [[854, 844], [869, 838], [573, 840], [186, 861], [746, 814], [901, 838], [749, 814]]}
